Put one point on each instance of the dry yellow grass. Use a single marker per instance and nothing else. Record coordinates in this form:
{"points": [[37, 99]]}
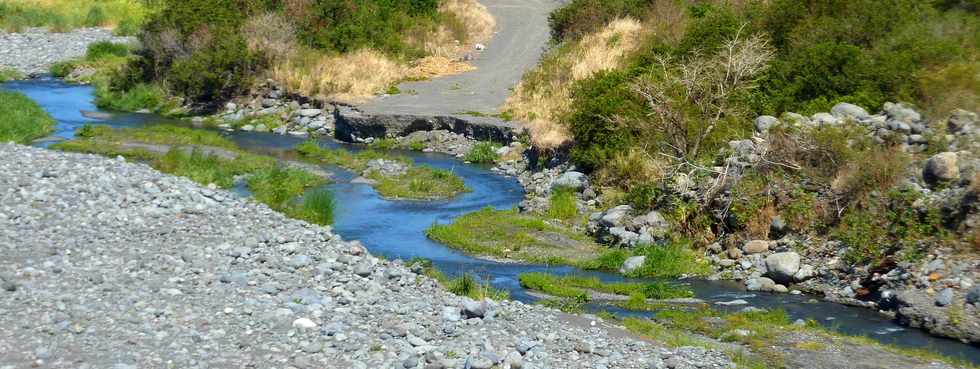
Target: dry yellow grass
{"points": [[356, 77], [545, 93], [64, 15]]}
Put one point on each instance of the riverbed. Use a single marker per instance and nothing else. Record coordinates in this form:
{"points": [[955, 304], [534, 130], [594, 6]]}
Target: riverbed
{"points": [[396, 229]]}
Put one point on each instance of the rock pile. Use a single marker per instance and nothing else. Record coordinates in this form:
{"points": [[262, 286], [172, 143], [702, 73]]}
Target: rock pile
{"points": [[112, 264]]}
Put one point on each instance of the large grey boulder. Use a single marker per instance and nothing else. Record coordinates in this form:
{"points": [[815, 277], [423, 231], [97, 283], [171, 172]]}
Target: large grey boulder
{"points": [[849, 111], [782, 266], [902, 113], [765, 122], [571, 179], [760, 284], [822, 119], [756, 247], [941, 167], [944, 297], [616, 216], [632, 264]]}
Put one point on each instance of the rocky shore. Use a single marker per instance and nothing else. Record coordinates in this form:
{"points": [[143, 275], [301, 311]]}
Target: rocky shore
{"points": [[33, 51], [112, 264]]}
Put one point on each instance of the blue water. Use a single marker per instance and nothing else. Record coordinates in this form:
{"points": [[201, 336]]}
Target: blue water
{"points": [[396, 229]]}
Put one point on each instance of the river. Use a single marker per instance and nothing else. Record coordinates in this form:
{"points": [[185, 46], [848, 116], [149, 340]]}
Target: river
{"points": [[396, 229]]}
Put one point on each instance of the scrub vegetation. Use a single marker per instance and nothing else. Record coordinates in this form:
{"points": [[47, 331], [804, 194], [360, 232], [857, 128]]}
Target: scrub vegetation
{"points": [[466, 285], [206, 52]]}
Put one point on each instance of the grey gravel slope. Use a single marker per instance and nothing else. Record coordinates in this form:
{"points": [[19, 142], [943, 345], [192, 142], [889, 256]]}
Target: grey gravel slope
{"points": [[33, 51], [522, 35], [109, 264]]}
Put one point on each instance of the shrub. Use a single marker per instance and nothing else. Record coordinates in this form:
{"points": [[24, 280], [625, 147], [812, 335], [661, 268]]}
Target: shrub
{"points": [[141, 96], [581, 17], [598, 99], [348, 25], [104, 49]]}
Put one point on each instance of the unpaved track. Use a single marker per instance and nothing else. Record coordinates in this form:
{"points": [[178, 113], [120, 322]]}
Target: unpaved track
{"points": [[522, 35]]}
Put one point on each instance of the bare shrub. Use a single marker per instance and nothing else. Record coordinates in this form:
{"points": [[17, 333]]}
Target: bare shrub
{"points": [[271, 33], [688, 99]]}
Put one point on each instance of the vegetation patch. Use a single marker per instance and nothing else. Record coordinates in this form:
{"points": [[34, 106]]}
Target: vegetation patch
{"points": [[466, 285], [582, 288], [482, 153], [283, 189], [8, 74], [418, 183], [673, 260], [22, 120], [125, 16], [510, 235]]}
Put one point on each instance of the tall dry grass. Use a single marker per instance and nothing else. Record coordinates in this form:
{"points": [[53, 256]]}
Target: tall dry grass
{"points": [[544, 95], [356, 77]]}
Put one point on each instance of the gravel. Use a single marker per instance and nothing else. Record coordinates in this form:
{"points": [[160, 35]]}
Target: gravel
{"points": [[109, 264], [33, 51]]}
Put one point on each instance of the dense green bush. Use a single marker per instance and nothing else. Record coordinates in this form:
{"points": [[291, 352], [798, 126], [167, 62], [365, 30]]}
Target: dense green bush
{"points": [[597, 100], [348, 25], [581, 17], [105, 49]]}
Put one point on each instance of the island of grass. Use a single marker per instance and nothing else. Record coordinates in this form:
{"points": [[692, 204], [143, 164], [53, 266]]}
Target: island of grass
{"points": [[767, 339], [22, 120], [208, 158], [404, 182], [574, 291], [535, 238]]}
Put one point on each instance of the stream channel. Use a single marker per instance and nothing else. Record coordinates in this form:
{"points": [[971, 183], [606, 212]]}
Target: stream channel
{"points": [[396, 229]]}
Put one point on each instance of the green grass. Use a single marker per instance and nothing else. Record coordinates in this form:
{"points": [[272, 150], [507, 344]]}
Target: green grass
{"points": [[163, 134], [317, 207], [22, 119], [466, 285], [562, 205], [7, 74], [419, 183], [578, 288], [673, 260], [482, 153], [511, 235], [142, 96], [282, 189], [65, 15], [570, 306]]}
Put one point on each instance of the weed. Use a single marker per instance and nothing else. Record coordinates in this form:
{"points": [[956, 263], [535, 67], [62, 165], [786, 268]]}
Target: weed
{"points": [[562, 204], [482, 153]]}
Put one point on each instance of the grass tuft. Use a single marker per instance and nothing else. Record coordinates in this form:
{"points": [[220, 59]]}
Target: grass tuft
{"points": [[482, 153]]}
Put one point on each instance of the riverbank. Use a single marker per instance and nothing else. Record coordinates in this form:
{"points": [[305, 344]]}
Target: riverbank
{"points": [[33, 51], [292, 294]]}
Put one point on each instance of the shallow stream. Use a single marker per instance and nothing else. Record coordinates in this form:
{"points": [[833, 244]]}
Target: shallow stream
{"points": [[396, 229]]}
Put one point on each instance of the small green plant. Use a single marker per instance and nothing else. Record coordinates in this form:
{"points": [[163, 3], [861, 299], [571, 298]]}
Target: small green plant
{"points": [[482, 153], [105, 49], [393, 90], [562, 204], [318, 207]]}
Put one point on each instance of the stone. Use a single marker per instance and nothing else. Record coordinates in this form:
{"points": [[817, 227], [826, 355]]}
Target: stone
{"points": [[571, 179], [849, 111], [973, 296], [304, 323], [822, 119], [902, 113], [732, 302], [806, 272], [760, 284], [616, 216], [944, 297], [941, 167], [632, 264], [310, 113], [477, 362], [756, 247], [960, 121], [364, 269], [765, 122], [781, 267], [473, 309]]}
